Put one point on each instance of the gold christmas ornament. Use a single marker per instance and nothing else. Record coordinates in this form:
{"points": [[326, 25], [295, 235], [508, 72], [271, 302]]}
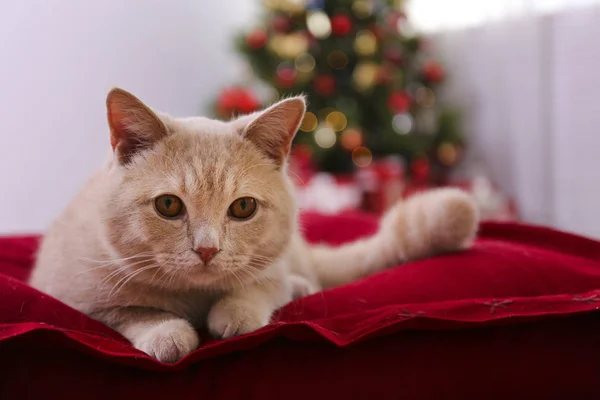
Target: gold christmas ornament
{"points": [[337, 59], [336, 120], [309, 122], [448, 153], [365, 43], [319, 24], [362, 157], [289, 46], [425, 97], [365, 75], [305, 63], [325, 137]]}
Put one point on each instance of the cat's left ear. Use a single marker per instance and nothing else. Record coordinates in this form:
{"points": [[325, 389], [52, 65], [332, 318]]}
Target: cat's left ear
{"points": [[133, 125], [274, 129]]}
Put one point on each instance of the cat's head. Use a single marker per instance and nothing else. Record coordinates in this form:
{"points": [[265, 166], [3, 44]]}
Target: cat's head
{"points": [[207, 201]]}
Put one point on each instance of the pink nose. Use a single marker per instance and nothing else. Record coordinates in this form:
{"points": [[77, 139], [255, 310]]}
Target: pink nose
{"points": [[206, 253]]}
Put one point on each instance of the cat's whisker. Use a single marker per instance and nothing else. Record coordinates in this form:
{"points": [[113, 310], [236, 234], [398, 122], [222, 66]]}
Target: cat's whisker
{"points": [[110, 264], [127, 278], [146, 253], [118, 271]]}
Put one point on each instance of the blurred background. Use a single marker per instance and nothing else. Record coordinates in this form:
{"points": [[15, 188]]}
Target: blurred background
{"points": [[498, 96]]}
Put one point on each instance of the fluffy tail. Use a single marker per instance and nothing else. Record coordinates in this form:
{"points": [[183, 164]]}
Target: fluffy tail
{"points": [[425, 224]]}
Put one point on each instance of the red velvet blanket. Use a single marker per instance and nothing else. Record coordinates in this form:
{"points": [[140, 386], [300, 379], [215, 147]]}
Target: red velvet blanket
{"points": [[514, 316]]}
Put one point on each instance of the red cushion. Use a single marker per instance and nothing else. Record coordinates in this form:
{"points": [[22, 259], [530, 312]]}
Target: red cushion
{"points": [[511, 317]]}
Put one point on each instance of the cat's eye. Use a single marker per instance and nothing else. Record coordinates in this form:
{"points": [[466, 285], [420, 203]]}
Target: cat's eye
{"points": [[242, 208], [168, 205]]}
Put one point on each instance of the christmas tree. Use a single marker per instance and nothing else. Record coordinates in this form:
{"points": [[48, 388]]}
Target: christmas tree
{"points": [[371, 84]]}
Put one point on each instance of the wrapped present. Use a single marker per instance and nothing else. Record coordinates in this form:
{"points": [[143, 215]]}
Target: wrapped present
{"points": [[328, 194], [382, 184]]}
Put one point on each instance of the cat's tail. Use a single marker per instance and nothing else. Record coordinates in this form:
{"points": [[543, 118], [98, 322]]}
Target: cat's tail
{"points": [[428, 223]]}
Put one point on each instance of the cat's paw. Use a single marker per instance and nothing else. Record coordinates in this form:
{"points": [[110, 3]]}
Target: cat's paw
{"points": [[301, 287], [168, 341], [432, 222], [231, 317]]}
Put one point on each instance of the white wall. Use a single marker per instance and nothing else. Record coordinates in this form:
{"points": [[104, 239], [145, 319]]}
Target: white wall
{"points": [[530, 88], [58, 58]]}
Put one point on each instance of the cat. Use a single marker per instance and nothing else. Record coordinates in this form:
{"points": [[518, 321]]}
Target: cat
{"points": [[191, 222]]}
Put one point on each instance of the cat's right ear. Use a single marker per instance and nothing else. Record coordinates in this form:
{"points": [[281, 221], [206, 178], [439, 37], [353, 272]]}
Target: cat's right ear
{"points": [[133, 125]]}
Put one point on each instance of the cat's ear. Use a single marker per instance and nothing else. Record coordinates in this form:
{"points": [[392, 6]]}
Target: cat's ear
{"points": [[274, 129], [133, 125]]}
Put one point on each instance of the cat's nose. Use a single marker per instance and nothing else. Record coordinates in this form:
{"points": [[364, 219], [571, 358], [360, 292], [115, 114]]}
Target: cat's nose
{"points": [[206, 253]]}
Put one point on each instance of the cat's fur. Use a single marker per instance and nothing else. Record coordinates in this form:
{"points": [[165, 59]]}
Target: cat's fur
{"points": [[113, 257]]}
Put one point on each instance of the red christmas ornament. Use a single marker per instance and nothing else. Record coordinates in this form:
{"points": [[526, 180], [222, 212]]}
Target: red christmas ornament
{"points": [[433, 71], [281, 24], [247, 102], [286, 77], [420, 169], [233, 101], [324, 85], [399, 102], [341, 25], [257, 39]]}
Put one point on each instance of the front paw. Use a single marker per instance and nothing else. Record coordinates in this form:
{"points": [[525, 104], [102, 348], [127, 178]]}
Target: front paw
{"points": [[229, 318], [168, 341]]}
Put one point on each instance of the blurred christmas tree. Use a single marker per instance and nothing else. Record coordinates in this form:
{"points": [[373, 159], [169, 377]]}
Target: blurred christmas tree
{"points": [[371, 84]]}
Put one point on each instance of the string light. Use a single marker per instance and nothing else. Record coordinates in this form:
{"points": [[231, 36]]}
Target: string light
{"points": [[336, 120], [365, 43], [318, 24], [402, 123], [325, 137], [362, 157], [337, 59], [309, 122]]}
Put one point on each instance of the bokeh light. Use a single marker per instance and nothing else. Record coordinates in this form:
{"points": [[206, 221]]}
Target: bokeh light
{"points": [[318, 24], [362, 157], [324, 112], [288, 46], [337, 59], [305, 62], [351, 139], [362, 8], [365, 75], [336, 120], [309, 122], [325, 137], [447, 153], [365, 43], [402, 123]]}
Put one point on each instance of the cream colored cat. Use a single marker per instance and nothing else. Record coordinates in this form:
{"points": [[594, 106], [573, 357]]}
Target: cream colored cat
{"points": [[192, 222]]}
